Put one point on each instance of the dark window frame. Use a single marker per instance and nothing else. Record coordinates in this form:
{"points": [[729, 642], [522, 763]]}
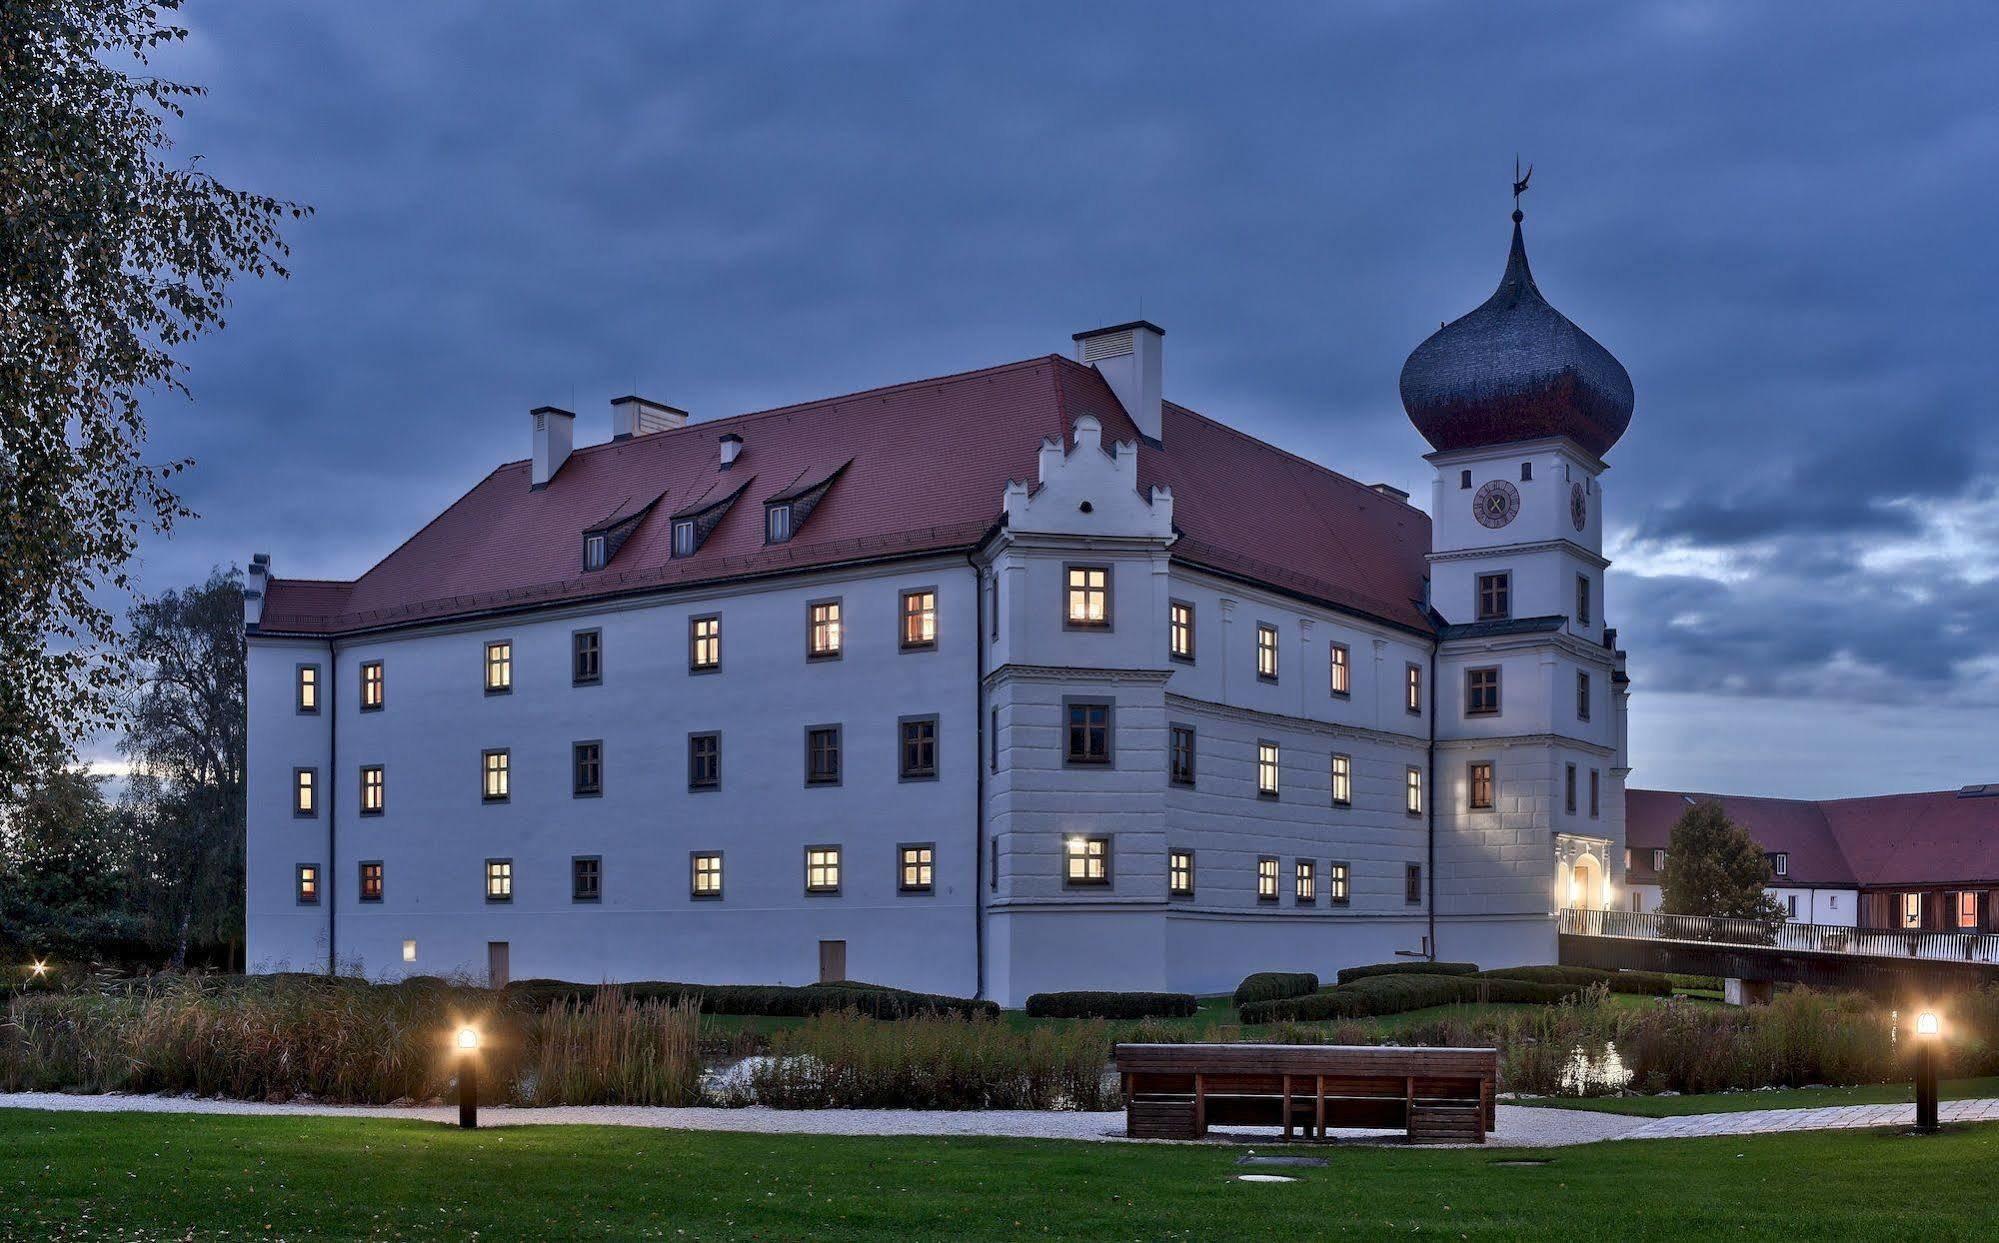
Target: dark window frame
{"points": [[1482, 691], [1569, 782], [486, 881], [1069, 755], [586, 656], [1173, 889], [813, 654], [1339, 882], [1105, 881], [1473, 780], [1494, 593], [506, 646], [305, 884], [1109, 589], [381, 785], [596, 551], [1464, 480], [839, 866], [1596, 795], [311, 788], [1174, 631], [298, 688], [361, 873], [1177, 773], [506, 771], [1276, 769], [1412, 688], [904, 771], [1583, 705], [1412, 884], [713, 781], [678, 526], [1339, 668], [902, 619], [838, 773], [378, 683], [903, 863], [576, 874], [1276, 636], [1412, 790], [694, 641], [580, 762], [1334, 777], [1275, 875], [1304, 882], [694, 890], [774, 513], [1583, 590]]}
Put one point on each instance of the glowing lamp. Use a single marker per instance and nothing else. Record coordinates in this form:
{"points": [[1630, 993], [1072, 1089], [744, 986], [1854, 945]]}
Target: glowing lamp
{"points": [[1926, 1023], [468, 1038], [1927, 1028], [467, 1041], [41, 968]]}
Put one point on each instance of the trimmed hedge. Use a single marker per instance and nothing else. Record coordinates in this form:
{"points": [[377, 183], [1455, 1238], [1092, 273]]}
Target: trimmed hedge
{"points": [[1349, 974], [1402, 991], [1086, 1005], [1637, 983], [772, 1000], [1271, 985]]}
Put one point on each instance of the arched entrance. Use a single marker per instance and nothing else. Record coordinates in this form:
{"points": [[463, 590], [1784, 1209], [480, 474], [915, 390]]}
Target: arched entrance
{"points": [[1585, 884]]}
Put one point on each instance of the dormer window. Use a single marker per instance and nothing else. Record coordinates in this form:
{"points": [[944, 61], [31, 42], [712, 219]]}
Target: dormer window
{"points": [[596, 550], [602, 542], [683, 538], [777, 524]]}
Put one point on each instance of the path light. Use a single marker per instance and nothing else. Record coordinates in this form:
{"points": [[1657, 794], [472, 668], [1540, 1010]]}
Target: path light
{"points": [[40, 969], [467, 1041], [1927, 1030]]}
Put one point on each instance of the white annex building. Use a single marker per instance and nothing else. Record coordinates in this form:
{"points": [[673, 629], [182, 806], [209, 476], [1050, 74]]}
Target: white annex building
{"points": [[1015, 680]]}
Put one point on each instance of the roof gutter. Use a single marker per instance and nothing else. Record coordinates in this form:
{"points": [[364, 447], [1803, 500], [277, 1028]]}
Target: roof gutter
{"points": [[332, 788], [979, 778]]}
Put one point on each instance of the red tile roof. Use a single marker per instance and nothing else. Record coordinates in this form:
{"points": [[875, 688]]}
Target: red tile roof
{"points": [[929, 464], [1935, 838]]}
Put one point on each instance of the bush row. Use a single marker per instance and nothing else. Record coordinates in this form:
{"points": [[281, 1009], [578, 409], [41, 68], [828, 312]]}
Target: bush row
{"points": [[1637, 983], [1271, 985], [1349, 974], [1087, 1005], [793, 1001], [1400, 992]]}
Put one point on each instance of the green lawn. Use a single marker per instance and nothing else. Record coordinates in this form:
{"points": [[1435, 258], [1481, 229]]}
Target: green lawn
{"points": [[156, 1176], [1783, 1098]]}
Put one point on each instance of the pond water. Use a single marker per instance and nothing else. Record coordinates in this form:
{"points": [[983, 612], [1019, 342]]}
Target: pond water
{"points": [[1585, 1074]]}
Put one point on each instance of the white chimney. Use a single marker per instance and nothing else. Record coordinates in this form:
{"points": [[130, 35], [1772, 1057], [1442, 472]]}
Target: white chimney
{"points": [[635, 416], [732, 448], [554, 437], [255, 585], [1130, 357]]}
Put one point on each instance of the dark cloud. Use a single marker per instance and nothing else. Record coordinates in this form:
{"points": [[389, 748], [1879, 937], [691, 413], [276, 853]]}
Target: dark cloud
{"points": [[1781, 225]]}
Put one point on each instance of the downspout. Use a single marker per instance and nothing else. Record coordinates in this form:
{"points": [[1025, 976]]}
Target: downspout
{"points": [[332, 788], [1430, 808], [979, 775]]}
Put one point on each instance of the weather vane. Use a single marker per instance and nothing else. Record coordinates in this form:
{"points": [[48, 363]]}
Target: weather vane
{"points": [[1520, 186]]}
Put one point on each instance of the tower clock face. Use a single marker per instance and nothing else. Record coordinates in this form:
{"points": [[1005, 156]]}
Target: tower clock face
{"points": [[1496, 504], [1578, 506]]}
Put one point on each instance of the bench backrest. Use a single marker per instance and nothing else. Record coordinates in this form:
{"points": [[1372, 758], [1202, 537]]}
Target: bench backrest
{"points": [[1295, 1059]]}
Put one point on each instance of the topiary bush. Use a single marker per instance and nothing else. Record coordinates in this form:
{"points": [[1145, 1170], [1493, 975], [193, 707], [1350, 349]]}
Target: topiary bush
{"points": [[1271, 985], [1349, 974], [1636, 983], [1087, 1005], [790, 1001], [1370, 995]]}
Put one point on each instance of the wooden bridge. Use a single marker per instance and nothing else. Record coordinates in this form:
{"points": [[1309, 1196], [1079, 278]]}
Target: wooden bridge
{"points": [[1823, 955]]}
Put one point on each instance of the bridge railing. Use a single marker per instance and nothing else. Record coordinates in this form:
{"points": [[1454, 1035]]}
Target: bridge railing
{"points": [[1782, 935]]}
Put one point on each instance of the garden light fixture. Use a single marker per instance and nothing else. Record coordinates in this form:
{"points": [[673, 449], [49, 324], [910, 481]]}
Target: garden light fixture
{"points": [[1927, 1030], [467, 1041]]}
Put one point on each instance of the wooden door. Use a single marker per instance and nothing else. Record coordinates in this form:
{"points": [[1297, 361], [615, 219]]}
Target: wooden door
{"points": [[832, 961], [496, 964]]}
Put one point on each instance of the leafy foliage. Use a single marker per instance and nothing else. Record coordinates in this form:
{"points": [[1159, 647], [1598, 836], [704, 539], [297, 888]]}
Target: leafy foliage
{"points": [[1418, 967], [1089, 1005], [1713, 867], [1270, 985], [112, 258]]}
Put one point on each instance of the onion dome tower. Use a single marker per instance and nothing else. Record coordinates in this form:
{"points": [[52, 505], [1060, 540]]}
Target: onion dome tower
{"points": [[1515, 369]]}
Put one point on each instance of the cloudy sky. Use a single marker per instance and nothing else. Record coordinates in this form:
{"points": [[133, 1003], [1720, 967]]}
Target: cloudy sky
{"points": [[1781, 217]]}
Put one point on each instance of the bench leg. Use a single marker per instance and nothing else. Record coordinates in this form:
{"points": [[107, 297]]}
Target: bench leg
{"points": [[1200, 1105], [1285, 1108], [1319, 1108]]}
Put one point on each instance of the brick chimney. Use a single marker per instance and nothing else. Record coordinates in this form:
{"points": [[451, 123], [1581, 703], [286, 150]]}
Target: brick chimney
{"points": [[1130, 357]]}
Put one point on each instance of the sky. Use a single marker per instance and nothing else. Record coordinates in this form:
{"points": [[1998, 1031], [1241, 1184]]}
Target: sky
{"points": [[1778, 216]]}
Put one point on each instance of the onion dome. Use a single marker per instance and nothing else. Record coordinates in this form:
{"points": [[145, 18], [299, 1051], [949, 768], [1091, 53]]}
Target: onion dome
{"points": [[1515, 369]]}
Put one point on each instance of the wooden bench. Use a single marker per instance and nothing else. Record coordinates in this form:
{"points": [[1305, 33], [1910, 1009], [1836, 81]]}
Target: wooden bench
{"points": [[1176, 1091]]}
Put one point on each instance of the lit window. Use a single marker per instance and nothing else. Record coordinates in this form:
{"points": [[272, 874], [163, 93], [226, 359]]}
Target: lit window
{"points": [[1266, 879], [1582, 599], [1582, 696], [308, 688], [1305, 883], [499, 666], [499, 880], [919, 620], [822, 869], [1180, 630], [1089, 733], [1342, 666], [498, 769], [1412, 884], [1339, 883], [913, 874], [1089, 596], [1481, 692], [704, 761], [1912, 910], [1481, 786], [1180, 873], [1967, 909], [586, 657], [1342, 781], [822, 755], [596, 551], [371, 686], [777, 524], [1412, 685], [1780, 863], [1658, 860], [1086, 860], [308, 884], [704, 643], [1569, 789], [683, 538], [305, 791], [586, 769], [1495, 597], [371, 881], [1266, 769], [409, 951], [586, 878], [372, 793], [1182, 755], [917, 743], [707, 879], [1412, 798], [822, 629], [1266, 652]]}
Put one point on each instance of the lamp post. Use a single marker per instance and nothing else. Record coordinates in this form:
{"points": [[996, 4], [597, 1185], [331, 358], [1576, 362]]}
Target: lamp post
{"points": [[1926, 1072], [468, 1077]]}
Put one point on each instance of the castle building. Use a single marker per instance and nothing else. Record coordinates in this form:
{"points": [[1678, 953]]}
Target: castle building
{"points": [[1020, 679]]}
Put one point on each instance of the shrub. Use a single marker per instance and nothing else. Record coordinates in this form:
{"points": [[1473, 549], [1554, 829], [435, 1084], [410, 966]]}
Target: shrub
{"points": [[846, 1061], [1637, 983], [1349, 974], [1271, 985], [1086, 1005], [1370, 995], [793, 1001]]}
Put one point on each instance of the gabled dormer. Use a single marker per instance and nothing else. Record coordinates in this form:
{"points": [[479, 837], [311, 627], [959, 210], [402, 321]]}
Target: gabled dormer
{"points": [[786, 513], [692, 523], [602, 542]]}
